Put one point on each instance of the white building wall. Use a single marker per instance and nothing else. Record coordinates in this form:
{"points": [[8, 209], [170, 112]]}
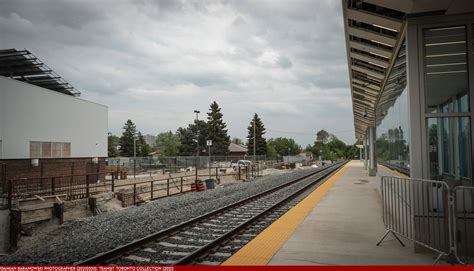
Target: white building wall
{"points": [[31, 113], [2, 113]]}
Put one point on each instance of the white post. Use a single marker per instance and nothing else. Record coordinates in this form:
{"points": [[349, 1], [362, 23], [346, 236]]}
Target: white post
{"points": [[209, 162]]}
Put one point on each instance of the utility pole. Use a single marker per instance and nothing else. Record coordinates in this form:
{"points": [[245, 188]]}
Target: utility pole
{"points": [[134, 155], [197, 131], [254, 143], [197, 141]]}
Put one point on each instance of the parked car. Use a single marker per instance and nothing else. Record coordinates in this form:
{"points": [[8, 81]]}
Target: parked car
{"points": [[240, 163]]}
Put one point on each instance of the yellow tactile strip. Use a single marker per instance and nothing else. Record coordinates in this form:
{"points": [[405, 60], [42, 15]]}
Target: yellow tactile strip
{"points": [[260, 250]]}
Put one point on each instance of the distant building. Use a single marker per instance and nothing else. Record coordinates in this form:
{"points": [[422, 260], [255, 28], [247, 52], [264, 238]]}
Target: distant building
{"points": [[150, 140], [237, 150]]}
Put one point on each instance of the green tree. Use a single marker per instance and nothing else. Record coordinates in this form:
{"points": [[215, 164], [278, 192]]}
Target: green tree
{"points": [[271, 152], [142, 148], [190, 135], [336, 148], [168, 144], [127, 138], [216, 131], [284, 146], [112, 143], [187, 146], [260, 141], [322, 136]]}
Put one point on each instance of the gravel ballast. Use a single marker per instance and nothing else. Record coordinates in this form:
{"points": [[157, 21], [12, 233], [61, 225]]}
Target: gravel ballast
{"points": [[84, 238]]}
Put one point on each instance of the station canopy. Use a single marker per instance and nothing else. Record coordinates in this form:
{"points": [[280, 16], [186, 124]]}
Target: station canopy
{"points": [[376, 51], [23, 66]]}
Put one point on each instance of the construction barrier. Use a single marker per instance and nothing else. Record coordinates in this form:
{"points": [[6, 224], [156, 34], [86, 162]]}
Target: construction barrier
{"points": [[200, 185]]}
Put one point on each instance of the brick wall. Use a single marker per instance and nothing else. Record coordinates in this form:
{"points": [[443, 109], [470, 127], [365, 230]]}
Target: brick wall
{"points": [[13, 169]]}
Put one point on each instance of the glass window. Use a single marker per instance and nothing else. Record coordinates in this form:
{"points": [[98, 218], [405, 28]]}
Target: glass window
{"points": [[57, 152], [35, 149], [66, 149], [46, 149], [450, 149], [445, 70]]}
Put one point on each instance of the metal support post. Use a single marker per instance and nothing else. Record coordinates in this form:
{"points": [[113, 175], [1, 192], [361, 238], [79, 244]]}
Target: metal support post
{"points": [[365, 153], [372, 165]]}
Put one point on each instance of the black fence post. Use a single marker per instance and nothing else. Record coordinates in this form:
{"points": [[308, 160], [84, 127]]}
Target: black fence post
{"points": [[59, 212], [181, 184], [151, 190], [53, 185], [134, 194], [15, 228], [87, 185], [168, 187], [10, 194], [196, 169], [239, 172], [113, 182], [134, 167]]}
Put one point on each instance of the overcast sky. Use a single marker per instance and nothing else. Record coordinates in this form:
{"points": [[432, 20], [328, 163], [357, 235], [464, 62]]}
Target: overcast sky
{"points": [[156, 61]]}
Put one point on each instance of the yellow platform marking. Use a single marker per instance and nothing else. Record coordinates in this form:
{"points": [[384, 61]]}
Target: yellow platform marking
{"points": [[260, 250]]}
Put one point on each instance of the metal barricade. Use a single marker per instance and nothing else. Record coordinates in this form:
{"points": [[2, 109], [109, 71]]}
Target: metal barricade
{"points": [[418, 210], [463, 218]]}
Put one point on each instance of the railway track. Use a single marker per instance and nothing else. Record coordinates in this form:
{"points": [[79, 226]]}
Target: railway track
{"points": [[213, 237]]}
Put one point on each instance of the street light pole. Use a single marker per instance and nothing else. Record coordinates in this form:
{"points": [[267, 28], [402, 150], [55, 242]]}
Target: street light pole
{"points": [[197, 141], [197, 131], [254, 143], [134, 155]]}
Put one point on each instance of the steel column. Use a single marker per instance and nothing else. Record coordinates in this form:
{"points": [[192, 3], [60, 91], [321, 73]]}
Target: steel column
{"points": [[372, 162]]}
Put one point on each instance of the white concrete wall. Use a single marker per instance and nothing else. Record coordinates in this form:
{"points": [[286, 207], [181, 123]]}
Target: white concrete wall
{"points": [[2, 113], [30, 113]]}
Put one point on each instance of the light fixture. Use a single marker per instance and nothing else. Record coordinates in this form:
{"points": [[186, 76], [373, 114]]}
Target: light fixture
{"points": [[365, 113], [35, 162], [95, 160]]}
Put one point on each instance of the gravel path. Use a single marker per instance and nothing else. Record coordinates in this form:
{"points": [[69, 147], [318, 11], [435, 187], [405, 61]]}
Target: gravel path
{"points": [[78, 240]]}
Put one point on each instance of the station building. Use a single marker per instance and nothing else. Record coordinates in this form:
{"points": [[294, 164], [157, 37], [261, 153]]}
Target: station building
{"points": [[411, 76], [45, 127]]}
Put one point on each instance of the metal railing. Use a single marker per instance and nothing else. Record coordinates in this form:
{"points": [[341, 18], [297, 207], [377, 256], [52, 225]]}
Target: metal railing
{"points": [[154, 165], [130, 191], [463, 218], [430, 214]]}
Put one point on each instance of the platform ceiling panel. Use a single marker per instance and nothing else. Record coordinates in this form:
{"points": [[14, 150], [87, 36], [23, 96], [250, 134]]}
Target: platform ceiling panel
{"points": [[373, 38]]}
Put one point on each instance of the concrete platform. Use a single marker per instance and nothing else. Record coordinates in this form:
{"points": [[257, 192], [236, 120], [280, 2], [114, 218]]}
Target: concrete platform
{"points": [[338, 224], [345, 226]]}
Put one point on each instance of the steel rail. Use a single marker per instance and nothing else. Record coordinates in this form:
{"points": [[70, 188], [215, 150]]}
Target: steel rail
{"points": [[139, 243], [217, 242]]}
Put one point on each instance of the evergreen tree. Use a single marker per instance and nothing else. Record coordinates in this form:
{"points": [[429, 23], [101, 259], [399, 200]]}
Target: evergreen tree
{"points": [[189, 136], [216, 131], [187, 146], [261, 143], [142, 147], [112, 143], [126, 140]]}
